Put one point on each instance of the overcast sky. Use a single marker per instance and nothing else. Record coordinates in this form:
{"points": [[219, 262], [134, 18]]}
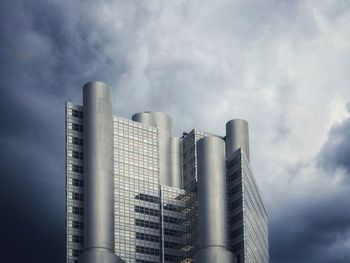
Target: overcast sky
{"points": [[283, 65]]}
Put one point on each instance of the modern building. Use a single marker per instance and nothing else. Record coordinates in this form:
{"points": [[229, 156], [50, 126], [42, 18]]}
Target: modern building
{"points": [[137, 194]]}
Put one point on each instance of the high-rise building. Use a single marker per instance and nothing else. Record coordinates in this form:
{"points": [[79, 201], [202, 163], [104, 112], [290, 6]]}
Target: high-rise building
{"points": [[137, 194]]}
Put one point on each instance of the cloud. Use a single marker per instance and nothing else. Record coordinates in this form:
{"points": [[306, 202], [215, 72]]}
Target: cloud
{"points": [[336, 151], [282, 65]]}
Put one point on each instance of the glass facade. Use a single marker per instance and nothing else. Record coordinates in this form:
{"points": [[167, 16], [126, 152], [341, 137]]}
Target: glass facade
{"points": [[156, 223], [74, 182], [189, 143], [247, 214]]}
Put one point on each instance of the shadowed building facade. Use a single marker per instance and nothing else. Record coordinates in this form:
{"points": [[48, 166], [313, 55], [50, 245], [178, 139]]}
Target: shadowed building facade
{"points": [[135, 193]]}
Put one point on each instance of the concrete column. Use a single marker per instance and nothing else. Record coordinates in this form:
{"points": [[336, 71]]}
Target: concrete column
{"points": [[98, 175], [175, 162], [163, 122], [237, 136], [212, 198]]}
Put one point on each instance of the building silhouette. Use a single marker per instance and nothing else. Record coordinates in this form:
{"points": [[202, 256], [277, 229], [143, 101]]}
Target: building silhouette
{"points": [[137, 194]]}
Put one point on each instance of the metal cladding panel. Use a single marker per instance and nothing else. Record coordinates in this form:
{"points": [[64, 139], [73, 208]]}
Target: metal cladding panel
{"points": [[175, 162], [237, 136], [214, 255], [212, 192], [98, 174], [163, 123]]}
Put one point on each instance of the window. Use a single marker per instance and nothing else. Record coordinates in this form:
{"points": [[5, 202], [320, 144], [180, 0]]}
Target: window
{"points": [[172, 220], [78, 114], [171, 257], [147, 250], [147, 224], [76, 253], [172, 232], [78, 197], [171, 245], [147, 211], [78, 169], [147, 198], [78, 210], [78, 239], [77, 127], [78, 141], [77, 182], [78, 225], [147, 237], [78, 155], [174, 208]]}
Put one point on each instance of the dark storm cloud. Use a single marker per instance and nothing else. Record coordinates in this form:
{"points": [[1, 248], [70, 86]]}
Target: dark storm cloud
{"points": [[336, 151], [44, 52], [200, 61], [312, 232]]}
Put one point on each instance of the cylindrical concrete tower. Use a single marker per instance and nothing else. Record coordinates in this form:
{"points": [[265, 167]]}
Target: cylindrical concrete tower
{"points": [[98, 175], [212, 198], [163, 122], [237, 136], [175, 162]]}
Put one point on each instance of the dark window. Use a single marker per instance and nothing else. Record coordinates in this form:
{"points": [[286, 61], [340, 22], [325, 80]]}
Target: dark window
{"points": [[76, 253], [236, 218], [236, 233], [78, 114], [236, 204], [171, 245], [78, 239], [171, 207], [78, 225], [78, 169], [78, 210], [78, 155], [172, 257], [77, 127], [144, 261], [172, 232], [146, 211], [147, 224], [78, 141], [172, 220], [147, 237], [77, 182], [147, 250], [147, 198], [78, 197]]}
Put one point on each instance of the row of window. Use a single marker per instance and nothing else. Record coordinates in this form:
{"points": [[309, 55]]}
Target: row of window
{"points": [[77, 114], [78, 182], [171, 245], [172, 232], [78, 225], [78, 210], [148, 224], [78, 141], [173, 220], [172, 257], [76, 252], [147, 198], [147, 237], [78, 197], [77, 127], [78, 168], [144, 261], [171, 207], [148, 250], [78, 239], [78, 155], [146, 211]]}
